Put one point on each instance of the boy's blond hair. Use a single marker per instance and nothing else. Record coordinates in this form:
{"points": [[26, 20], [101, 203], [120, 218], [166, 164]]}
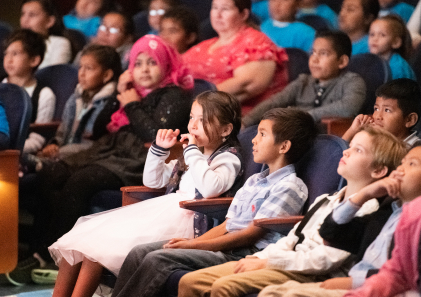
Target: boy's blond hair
{"points": [[386, 148]]}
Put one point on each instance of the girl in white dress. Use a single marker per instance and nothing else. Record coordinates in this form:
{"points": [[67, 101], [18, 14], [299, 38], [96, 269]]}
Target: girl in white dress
{"points": [[104, 239]]}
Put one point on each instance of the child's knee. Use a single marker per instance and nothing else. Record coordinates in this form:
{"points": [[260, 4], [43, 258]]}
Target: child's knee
{"points": [[189, 285]]}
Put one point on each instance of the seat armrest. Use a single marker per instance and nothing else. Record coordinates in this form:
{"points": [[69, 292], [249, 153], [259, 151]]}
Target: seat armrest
{"points": [[47, 130], [136, 194], [282, 225], [214, 207], [337, 125]]}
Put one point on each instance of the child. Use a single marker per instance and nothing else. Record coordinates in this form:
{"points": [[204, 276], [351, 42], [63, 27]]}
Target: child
{"points": [[41, 16], [390, 40], [312, 7], [282, 28], [214, 124], [397, 110], [302, 255], [342, 228], [330, 90], [397, 7], [24, 53], [86, 17], [157, 9], [116, 30], [355, 18], [4, 129], [154, 95], [284, 135], [180, 28], [98, 72]]}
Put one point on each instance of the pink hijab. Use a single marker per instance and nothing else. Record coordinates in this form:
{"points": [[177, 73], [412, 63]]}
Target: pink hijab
{"points": [[170, 62]]}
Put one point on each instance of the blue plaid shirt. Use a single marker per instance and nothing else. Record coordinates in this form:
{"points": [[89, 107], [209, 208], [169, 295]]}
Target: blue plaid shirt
{"points": [[266, 195]]}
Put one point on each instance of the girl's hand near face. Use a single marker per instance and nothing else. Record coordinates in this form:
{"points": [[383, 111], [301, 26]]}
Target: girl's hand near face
{"points": [[125, 82], [387, 186], [128, 96], [167, 138], [190, 138]]}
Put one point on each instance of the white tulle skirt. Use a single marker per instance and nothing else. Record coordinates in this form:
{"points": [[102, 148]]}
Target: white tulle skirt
{"points": [[108, 237]]}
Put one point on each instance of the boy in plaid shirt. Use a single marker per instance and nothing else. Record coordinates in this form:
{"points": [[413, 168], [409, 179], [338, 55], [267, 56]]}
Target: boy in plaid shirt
{"points": [[284, 136]]}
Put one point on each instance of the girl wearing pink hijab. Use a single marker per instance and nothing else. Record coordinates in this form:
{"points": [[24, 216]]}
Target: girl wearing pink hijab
{"points": [[153, 95]]}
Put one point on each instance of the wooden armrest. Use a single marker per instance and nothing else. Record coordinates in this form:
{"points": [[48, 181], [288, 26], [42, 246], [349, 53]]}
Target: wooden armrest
{"points": [[136, 194], [282, 225], [214, 207], [47, 130], [337, 125]]}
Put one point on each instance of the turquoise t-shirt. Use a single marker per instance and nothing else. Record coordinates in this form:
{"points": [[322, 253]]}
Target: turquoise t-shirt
{"points": [[400, 67], [360, 46], [261, 10], [404, 10], [323, 11], [283, 34], [4, 124], [88, 26]]}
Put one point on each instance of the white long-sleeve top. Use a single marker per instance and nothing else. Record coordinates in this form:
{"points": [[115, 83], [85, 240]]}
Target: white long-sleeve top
{"points": [[58, 51], [210, 180], [311, 256]]}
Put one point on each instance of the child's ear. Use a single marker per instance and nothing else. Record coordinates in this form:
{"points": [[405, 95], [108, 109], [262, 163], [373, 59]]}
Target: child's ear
{"points": [[51, 21], [246, 14], [379, 172], [226, 130], [108, 75], [284, 146], [411, 120], [343, 61], [192, 37], [35, 61], [397, 43]]}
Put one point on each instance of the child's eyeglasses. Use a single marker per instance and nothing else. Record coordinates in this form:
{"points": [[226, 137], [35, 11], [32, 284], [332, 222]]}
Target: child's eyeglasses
{"points": [[111, 30], [155, 12]]}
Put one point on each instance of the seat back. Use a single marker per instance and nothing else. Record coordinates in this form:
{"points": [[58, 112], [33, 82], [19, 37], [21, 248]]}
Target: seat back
{"points": [[62, 80], [297, 62], [18, 106], [201, 85], [318, 167], [375, 72], [316, 22]]}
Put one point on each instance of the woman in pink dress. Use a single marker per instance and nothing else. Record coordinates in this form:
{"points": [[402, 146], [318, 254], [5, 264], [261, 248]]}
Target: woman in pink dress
{"points": [[241, 60]]}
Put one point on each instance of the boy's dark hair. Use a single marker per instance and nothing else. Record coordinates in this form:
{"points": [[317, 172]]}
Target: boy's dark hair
{"points": [[106, 56], [340, 41], [186, 17], [33, 43], [51, 10], [371, 9], [405, 91], [294, 125]]}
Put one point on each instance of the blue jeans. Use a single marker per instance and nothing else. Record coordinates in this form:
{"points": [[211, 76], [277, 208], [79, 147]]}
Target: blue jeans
{"points": [[148, 266]]}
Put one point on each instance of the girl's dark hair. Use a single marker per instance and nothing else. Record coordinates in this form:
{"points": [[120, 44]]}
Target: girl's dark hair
{"points": [[243, 4], [106, 56], [107, 6], [187, 18], [220, 107], [398, 27], [371, 9], [50, 9]]}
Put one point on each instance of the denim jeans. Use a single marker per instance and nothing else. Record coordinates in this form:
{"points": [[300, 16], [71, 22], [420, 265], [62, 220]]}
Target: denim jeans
{"points": [[148, 266]]}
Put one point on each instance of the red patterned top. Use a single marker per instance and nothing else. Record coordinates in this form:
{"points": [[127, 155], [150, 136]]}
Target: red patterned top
{"points": [[249, 45]]}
